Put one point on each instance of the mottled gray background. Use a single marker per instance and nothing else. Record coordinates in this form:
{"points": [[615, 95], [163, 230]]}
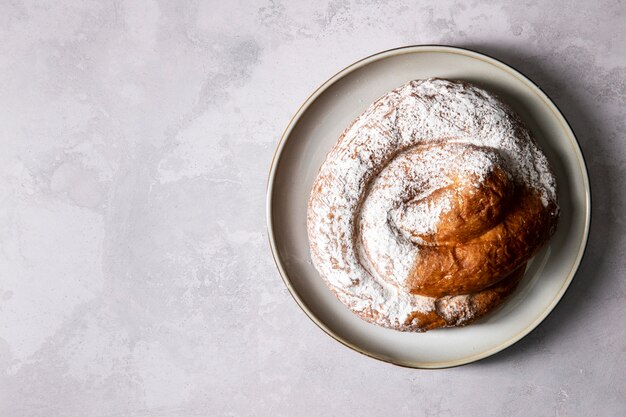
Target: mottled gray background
{"points": [[135, 273]]}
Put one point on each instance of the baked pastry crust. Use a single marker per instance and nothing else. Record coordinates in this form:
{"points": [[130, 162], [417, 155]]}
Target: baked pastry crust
{"points": [[429, 206]]}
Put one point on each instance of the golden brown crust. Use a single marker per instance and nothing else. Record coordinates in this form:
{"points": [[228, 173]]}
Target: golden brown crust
{"points": [[472, 307], [486, 235]]}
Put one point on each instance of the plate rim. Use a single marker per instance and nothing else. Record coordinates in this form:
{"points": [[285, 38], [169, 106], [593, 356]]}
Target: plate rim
{"points": [[417, 49]]}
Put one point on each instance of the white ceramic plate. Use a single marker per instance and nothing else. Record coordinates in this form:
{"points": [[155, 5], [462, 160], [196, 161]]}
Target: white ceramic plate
{"points": [[316, 127]]}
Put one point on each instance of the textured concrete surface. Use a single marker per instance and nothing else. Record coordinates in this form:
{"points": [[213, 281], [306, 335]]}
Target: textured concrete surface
{"points": [[135, 274]]}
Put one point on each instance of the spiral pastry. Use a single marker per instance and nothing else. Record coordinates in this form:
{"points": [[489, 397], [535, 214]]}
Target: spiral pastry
{"points": [[429, 206]]}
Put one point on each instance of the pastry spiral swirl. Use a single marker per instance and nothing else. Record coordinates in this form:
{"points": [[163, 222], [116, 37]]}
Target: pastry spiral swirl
{"points": [[427, 209]]}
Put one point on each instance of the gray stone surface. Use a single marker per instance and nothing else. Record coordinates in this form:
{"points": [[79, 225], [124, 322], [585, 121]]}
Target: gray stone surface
{"points": [[135, 273]]}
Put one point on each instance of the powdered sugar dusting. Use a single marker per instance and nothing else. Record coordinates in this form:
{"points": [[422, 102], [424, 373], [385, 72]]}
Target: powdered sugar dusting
{"points": [[368, 203]]}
